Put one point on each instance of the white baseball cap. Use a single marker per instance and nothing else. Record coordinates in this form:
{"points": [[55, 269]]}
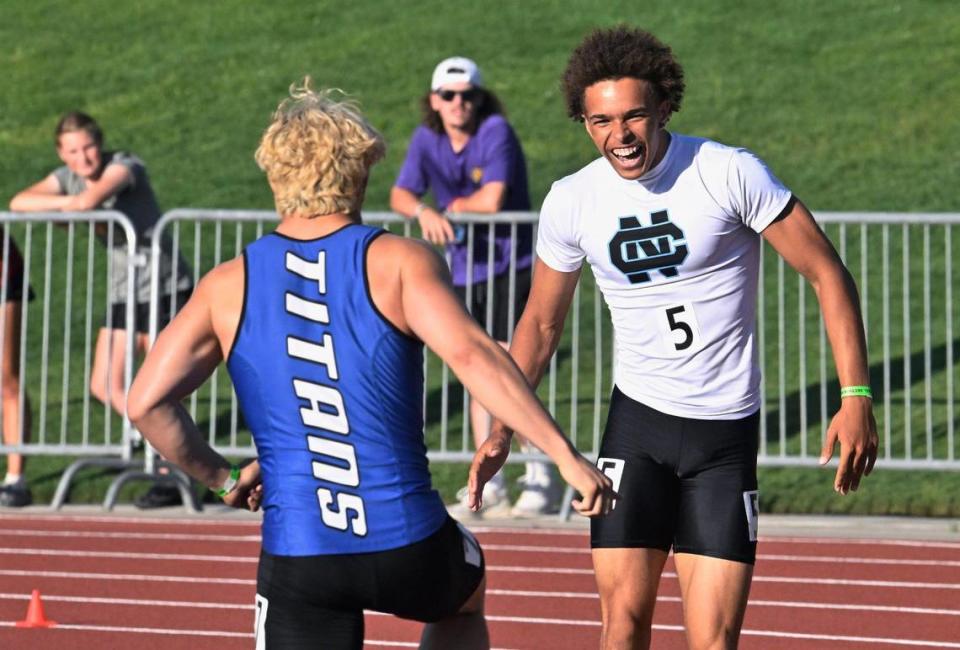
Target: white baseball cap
{"points": [[456, 69]]}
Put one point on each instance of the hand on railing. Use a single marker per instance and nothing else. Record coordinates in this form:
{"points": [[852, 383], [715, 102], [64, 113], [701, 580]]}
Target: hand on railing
{"points": [[436, 228]]}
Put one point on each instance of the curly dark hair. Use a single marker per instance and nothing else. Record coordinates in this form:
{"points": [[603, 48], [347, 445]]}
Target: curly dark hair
{"points": [[621, 52], [487, 104]]}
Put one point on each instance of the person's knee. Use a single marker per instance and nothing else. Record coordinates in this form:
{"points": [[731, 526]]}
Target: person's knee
{"points": [[11, 389], [722, 635], [627, 614], [98, 389]]}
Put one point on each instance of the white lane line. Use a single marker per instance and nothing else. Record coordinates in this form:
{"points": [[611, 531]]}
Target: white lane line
{"points": [[127, 577], [833, 638], [147, 521], [199, 557], [186, 537], [142, 630], [587, 595], [857, 560], [748, 632], [217, 633], [493, 618], [512, 619], [775, 579], [138, 602], [119, 555], [864, 541], [893, 584], [522, 593], [831, 559], [868, 541]]}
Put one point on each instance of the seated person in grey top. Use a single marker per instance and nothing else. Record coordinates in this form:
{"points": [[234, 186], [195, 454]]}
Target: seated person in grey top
{"points": [[90, 179]]}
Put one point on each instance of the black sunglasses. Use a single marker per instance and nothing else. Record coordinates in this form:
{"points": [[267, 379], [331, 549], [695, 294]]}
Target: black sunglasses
{"points": [[471, 95]]}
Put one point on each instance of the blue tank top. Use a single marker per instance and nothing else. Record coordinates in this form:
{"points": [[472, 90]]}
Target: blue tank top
{"points": [[332, 392]]}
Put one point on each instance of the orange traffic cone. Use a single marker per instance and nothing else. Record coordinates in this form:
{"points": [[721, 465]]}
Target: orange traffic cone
{"points": [[35, 615]]}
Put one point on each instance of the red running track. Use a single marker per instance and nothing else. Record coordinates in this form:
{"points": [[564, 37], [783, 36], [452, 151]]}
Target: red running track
{"points": [[114, 582]]}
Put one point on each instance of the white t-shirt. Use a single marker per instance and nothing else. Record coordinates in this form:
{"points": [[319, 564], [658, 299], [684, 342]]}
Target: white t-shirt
{"points": [[676, 255]]}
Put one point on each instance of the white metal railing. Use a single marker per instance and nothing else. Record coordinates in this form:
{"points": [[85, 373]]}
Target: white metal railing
{"points": [[910, 355], [75, 275], [902, 263]]}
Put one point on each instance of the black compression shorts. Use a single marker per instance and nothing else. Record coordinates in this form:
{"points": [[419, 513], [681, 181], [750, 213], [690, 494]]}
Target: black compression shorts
{"points": [[141, 312], [317, 601], [689, 484]]}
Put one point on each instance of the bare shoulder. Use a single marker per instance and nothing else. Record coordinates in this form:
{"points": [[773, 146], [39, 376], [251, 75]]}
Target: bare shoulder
{"points": [[223, 285], [400, 253]]}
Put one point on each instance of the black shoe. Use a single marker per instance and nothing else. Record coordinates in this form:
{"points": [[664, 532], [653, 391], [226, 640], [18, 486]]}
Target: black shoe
{"points": [[159, 496], [15, 496]]}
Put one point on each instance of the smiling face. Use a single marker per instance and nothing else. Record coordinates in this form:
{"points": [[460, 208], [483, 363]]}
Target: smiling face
{"points": [[625, 122], [80, 152], [457, 105]]}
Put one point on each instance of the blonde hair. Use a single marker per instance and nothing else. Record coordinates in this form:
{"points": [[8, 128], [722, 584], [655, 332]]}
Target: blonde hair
{"points": [[317, 153]]}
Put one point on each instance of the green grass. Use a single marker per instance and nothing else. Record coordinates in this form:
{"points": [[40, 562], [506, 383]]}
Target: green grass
{"points": [[849, 103]]}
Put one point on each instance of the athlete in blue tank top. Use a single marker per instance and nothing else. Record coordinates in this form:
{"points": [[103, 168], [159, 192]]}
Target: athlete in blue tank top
{"points": [[341, 433], [321, 323]]}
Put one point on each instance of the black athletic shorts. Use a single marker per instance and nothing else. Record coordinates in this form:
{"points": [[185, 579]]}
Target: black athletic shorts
{"points": [[317, 601], [689, 484], [141, 312], [479, 298], [14, 291]]}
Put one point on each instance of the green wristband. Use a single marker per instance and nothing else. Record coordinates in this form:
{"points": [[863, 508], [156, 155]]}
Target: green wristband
{"points": [[230, 483], [856, 391]]}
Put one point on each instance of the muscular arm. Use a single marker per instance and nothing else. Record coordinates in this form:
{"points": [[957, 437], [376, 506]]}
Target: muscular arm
{"points": [[426, 306], [435, 314], [541, 325], [799, 240], [183, 357]]}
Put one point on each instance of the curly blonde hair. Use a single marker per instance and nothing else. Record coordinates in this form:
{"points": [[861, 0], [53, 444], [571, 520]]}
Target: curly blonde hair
{"points": [[317, 153]]}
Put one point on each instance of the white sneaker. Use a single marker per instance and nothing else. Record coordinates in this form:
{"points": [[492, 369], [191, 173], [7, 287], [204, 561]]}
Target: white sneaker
{"points": [[496, 504], [540, 498]]}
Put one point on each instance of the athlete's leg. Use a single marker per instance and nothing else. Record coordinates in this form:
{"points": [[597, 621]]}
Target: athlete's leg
{"points": [[309, 602], [714, 599], [715, 544], [106, 375], [467, 629], [627, 579], [11, 388]]}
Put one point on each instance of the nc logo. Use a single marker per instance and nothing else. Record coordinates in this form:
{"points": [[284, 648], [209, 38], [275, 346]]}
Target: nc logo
{"points": [[636, 250]]}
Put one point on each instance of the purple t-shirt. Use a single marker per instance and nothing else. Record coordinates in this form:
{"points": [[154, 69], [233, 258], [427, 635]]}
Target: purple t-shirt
{"points": [[492, 154]]}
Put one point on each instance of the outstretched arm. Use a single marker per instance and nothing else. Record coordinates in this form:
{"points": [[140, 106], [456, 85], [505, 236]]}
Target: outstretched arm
{"points": [[799, 240], [433, 312], [534, 342], [183, 357]]}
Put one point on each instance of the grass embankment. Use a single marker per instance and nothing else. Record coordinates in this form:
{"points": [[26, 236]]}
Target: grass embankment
{"points": [[845, 101]]}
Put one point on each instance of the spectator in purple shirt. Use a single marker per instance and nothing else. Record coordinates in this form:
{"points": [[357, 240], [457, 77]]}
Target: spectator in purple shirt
{"points": [[468, 157]]}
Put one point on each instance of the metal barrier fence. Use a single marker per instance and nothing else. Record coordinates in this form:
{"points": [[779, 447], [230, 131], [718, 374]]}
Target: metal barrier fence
{"points": [[902, 264], [912, 346], [66, 291]]}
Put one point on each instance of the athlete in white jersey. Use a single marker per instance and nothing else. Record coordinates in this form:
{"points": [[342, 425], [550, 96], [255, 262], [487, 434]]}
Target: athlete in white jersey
{"points": [[675, 254], [671, 227]]}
